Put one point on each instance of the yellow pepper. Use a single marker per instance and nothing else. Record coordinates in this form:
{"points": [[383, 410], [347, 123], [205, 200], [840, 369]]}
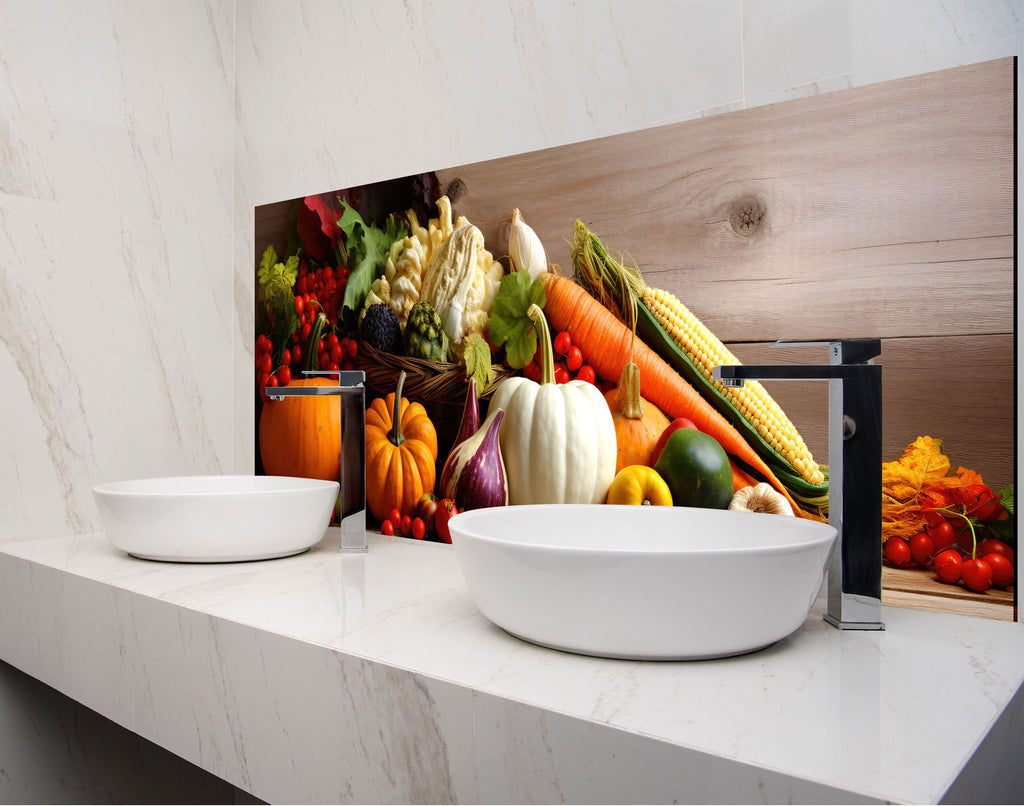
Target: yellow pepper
{"points": [[639, 484]]}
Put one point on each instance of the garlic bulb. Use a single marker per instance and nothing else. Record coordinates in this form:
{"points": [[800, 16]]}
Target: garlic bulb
{"points": [[760, 498], [524, 247]]}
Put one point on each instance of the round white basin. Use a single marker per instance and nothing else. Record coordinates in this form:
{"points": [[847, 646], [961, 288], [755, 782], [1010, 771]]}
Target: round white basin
{"points": [[642, 582], [215, 518]]}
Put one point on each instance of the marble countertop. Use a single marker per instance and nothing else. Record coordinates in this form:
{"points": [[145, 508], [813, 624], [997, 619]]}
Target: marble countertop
{"points": [[326, 677]]}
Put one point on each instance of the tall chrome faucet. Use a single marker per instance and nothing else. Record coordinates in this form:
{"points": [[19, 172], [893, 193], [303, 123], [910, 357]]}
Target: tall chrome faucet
{"points": [[855, 471], [351, 390]]}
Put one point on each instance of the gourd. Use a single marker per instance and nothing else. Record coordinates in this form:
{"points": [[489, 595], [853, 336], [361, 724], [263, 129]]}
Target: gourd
{"points": [[638, 423], [401, 451], [301, 436], [557, 440]]}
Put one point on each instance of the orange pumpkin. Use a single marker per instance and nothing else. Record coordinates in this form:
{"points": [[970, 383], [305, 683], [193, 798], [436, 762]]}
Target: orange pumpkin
{"points": [[401, 452], [301, 436], [638, 422]]}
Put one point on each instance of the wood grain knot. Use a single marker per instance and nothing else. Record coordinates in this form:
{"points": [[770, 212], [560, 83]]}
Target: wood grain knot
{"points": [[746, 215], [455, 190]]}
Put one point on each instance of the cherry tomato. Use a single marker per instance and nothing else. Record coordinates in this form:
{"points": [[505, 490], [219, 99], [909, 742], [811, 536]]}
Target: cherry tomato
{"points": [[387, 528], [933, 518], [284, 376], [574, 358], [396, 518], [419, 528], [977, 575], [921, 548], [300, 305], [336, 351], [991, 545], [586, 373], [352, 348], [897, 551], [445, 510], [563, 341], [406, 525], [1002, 569], [947, 566], [562, 374], [532, 371], [332, 341], [943, 535], [297, 355], [266, 364]]}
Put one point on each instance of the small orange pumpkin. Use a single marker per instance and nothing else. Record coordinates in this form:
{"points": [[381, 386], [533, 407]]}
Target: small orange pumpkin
{"points": [[401, 452], [301, 436], [638, 422]]}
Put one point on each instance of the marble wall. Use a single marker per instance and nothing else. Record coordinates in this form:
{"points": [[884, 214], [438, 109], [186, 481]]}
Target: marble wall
{"points": [[116, 308]]}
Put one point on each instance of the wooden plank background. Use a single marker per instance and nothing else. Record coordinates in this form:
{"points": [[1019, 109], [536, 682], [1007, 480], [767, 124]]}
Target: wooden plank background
{"points": [[881, 211]]}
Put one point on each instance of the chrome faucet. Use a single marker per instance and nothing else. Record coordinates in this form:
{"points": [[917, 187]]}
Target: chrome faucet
{"points": [[351, 389], [855, 471]]}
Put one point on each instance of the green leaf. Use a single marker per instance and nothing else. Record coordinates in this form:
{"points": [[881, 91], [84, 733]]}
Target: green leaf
{"points": [[510, 327], [276, 280], [478, 363], [367, 247], [1006, 498]]}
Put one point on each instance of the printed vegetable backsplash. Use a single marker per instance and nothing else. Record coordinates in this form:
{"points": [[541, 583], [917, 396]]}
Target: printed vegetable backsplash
{"points": [[498, 378]]}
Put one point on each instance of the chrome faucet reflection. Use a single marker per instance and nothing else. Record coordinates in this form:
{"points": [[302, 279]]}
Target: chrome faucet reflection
{"points": [[351, 389], [855, 471]]}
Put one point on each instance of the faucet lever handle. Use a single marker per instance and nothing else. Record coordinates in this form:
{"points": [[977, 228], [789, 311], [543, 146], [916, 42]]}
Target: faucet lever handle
{"points": [[841, 351], [345, 377]]}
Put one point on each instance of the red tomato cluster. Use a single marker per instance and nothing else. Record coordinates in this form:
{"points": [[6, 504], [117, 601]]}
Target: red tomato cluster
{"points": [[334, 353], [326, 284], [266, 373], [569, 364], [953, 557], [428, 520]]}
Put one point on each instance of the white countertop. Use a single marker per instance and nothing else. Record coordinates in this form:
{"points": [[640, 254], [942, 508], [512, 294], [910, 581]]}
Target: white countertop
{"points": [[373, 678]]}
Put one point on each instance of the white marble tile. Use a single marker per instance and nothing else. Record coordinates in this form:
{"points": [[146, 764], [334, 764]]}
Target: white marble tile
{"points": [[388, 89], [115, 334], [801, 47], [120, 107], [256, 660]]}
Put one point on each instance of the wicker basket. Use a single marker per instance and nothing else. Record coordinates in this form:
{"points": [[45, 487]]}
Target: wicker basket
{"points": [[440, 386]]}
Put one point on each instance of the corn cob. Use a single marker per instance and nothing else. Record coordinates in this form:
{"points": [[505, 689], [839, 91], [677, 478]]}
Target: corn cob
{"points": [[751, 400]]}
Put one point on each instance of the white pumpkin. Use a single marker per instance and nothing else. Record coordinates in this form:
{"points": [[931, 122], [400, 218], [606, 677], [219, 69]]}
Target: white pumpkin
{"points": [[557, 440]]}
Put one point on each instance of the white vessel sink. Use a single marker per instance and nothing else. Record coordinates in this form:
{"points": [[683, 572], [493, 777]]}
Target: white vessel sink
{"points": [[203, 519], [642, 582]]}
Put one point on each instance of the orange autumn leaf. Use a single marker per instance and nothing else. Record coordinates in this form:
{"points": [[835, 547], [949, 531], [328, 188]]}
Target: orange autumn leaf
{"points": [[922, 463]]}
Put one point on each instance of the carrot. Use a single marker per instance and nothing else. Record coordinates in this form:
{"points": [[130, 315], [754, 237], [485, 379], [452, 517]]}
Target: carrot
{"points": [[607, 345], [740, 478]]}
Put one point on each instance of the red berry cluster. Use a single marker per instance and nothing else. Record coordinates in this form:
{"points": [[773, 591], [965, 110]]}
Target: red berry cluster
{"points": [[334, 353], [266, 373], [326, 284], [306, 307], [979, 564], [568, 362]]}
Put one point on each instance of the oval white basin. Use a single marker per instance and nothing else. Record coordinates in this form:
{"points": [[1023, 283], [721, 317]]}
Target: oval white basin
{"points": [[642, 582], [203, 519]]}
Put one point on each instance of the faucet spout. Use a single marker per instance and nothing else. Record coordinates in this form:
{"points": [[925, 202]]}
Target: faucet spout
{"points": [[352, 391], [855, 471]]}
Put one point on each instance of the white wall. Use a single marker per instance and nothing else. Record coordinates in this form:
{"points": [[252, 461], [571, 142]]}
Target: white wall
{"points": [[116, 306], [136, 138]]}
